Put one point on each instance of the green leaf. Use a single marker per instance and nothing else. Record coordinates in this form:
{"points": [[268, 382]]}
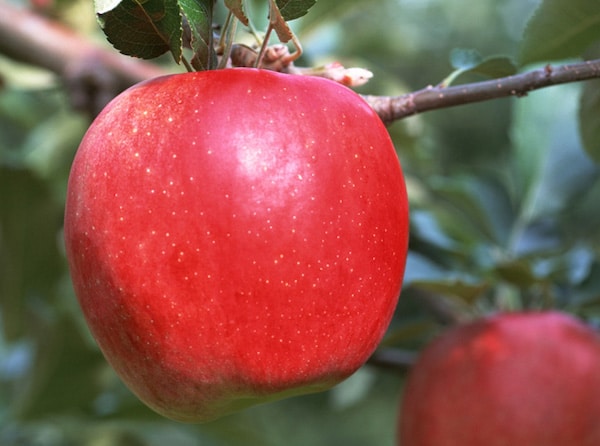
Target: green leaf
{"points": [[199, 15], [465, 59], [465, 292], [470, 61], [353, 390], [589, 119], [30, 261], [551, 169], [517, 272], [560, 29], [474, 208], [145, 29], [293, 9], [237, 9], [495, 67]]}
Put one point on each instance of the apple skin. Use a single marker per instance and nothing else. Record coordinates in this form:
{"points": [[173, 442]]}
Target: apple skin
{"points": [[514, 379], [235, 237]]}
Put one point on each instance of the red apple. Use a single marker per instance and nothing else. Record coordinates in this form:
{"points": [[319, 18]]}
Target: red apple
{"points": [[522, 379], [235, 237]]}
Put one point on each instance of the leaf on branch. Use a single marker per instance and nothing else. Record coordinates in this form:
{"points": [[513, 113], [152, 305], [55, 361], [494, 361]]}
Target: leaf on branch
{"points": [[237, 9], [294, 9], [465, 58], [589, 119], [496, 67], [278, 22], [144, 29], [560, 29], [198, 14], [470, 61]]}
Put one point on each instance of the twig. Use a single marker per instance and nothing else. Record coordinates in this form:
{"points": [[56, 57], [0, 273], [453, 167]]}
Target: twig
{"points": [[393, 108]]}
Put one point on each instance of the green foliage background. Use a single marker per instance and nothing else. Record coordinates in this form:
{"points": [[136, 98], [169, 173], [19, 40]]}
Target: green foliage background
{"points": [[504, 216]]}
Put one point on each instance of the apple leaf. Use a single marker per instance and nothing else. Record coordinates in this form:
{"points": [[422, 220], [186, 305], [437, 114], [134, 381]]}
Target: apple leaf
{"points": [[198, 14], [278, 22], [465, 58], [293, 9], [551, 169], [589, 119], [237, 9], [470, 61], [144, 29], [495, 67], [560, 29]]}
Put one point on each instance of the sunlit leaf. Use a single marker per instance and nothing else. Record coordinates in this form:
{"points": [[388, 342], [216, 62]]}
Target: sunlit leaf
{"points": [[560, 29], [144, 29]]}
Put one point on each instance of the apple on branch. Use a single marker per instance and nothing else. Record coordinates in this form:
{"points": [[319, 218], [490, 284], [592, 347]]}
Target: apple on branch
{"points": [[236, 236]]}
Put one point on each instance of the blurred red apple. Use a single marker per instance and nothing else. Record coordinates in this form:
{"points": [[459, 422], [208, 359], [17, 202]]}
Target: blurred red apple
{"points": [[235, 237], [516, 379]]}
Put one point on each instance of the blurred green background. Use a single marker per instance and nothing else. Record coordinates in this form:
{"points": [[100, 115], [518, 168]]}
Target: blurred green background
{"points": [[504, 216]]}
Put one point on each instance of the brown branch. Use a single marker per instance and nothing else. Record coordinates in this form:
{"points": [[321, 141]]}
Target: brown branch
{"points": [[93, 73], [393, 108]]}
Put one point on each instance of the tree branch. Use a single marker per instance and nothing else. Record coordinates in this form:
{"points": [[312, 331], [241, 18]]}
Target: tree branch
{"points": [[393, 108], [94, 74]]}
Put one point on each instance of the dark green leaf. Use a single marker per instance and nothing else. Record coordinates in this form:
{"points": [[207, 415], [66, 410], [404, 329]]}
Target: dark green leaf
{"points": [[144, 29], [293, 9], [475, 209], [53, 371], [199, 16], [589, 119], [30, 262], [517, 272], [456, 289], [560, 29], [495, 67]]}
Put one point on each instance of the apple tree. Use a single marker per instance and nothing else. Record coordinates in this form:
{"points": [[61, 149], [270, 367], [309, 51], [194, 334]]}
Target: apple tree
{"points": [[492, 110]]}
